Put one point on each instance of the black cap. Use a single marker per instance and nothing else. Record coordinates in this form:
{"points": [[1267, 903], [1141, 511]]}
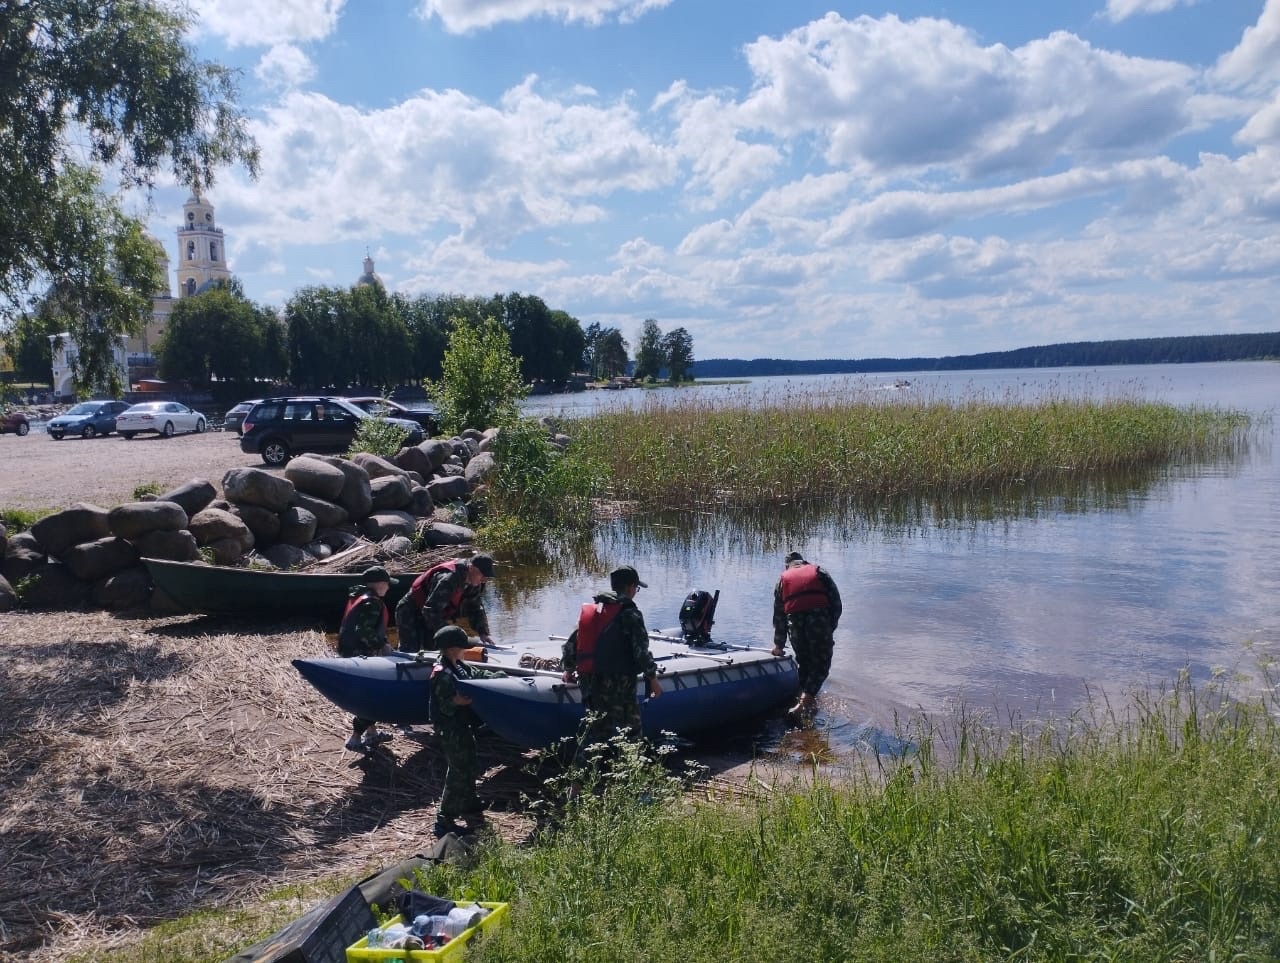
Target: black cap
{"points": [[375, 573], [793, 557], [450, 637], [626, 575], [484, 563]]}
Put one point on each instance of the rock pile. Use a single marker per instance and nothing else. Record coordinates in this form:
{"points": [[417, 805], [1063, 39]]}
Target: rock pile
{"points": [[87, 555]]}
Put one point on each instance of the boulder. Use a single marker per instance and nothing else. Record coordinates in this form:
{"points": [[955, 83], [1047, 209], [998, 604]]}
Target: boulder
{"points": [[194, 495], [253, 486], [222, 503], [317, 550], [163, 604], [479, 468], [398, 545], [311, 476], [414, 460], [328, 514], [356, 497], [383, 525], [225, 551], [54, 587], [437, 452], [129, 589], [175, 546], [81, 522], [442, 533], [97, 560], [285, 556], [390, 491], [23, 557], [450, 489], [215, 525], [453, 468], [4, 537], [472, 434], [376, 466], [297, 526], [137, 518], [336, 538], [263, 522], [420, 501], [8, 597]]}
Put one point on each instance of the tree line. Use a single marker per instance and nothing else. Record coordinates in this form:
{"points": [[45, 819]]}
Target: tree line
{"points": [[1186, 349]]}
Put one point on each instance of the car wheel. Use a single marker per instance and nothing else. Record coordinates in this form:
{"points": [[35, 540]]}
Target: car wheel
{"points": [[200, 427], [89, 431], [275, 452], [167, 430], [56, 435], [126, 435], [23, 428]]}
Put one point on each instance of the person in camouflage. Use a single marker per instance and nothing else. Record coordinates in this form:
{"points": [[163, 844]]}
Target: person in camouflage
{"points": [[806, 608], [455, 724], [605, 653], [363, 633], [445, 595]]}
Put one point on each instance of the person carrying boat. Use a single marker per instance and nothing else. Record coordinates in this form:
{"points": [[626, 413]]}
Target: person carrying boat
{"points": [[606, 652], [444, 595], [363, 633], [806, 608], [455, 724]]}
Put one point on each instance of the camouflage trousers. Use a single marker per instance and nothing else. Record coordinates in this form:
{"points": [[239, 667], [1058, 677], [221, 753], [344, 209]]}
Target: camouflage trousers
{"points": [[610, 701], [416, 629], [459, 797], [812, 639]]}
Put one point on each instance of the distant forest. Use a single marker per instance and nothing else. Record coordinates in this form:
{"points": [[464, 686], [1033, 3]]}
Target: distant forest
{"points": [[1185, 350]]}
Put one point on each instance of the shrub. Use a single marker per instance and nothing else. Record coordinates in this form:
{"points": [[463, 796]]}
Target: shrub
{"points": [[377, 436], [481, 383]]}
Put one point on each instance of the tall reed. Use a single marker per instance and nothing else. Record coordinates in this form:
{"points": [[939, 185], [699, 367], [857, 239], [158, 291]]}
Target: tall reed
{"points": [[692, 450]]}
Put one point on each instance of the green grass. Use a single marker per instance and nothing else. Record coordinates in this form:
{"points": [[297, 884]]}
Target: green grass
{"points": [[691, 451], [20, 519]]}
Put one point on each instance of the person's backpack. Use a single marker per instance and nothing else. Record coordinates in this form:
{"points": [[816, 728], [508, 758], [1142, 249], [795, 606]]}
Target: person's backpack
{"points": [[697, 615]]}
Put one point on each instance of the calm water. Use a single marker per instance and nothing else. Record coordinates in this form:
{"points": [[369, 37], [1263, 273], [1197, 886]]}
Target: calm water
{"points": [[1024, 603]]}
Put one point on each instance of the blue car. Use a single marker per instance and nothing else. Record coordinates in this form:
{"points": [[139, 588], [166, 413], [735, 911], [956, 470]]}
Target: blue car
{"points": [[87, 419]]}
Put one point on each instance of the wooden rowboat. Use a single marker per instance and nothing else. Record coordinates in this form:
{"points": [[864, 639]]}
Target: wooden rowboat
{"points": [[223, 590]]}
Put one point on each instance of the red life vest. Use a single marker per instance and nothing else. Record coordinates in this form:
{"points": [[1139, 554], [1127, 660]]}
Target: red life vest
{"points": [[802, 590], [418, 590], [353, 602], [593, 621]]}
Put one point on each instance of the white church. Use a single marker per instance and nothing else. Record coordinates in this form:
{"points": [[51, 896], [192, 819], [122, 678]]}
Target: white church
{"points": [[202, 262]]}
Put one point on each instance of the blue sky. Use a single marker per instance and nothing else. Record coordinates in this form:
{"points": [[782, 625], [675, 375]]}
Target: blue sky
{"points": [[783, 179]]}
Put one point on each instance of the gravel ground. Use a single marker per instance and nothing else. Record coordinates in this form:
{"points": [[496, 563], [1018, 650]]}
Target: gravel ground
{"points": [[40, 474]]}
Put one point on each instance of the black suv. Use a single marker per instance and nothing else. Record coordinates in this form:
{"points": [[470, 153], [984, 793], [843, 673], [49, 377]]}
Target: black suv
{"points": [[278, 428]]}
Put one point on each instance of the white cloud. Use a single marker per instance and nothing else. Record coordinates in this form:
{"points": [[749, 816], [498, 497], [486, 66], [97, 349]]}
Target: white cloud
{"points": [[1118, 10], [252, 23], [442, 161], [461, 16], [887, 96], [1254, 63], [284, 66]]}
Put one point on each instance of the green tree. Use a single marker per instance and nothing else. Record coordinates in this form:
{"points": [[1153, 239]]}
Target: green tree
{"points": [[678, 347], [116, 82], [650, 356], [481, 384], [427, 320], [220, 334], [313, 343], [27, 344], [610, 354]]}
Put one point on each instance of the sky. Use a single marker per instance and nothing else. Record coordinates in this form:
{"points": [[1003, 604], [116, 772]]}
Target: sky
{"points": [[783, 179]]}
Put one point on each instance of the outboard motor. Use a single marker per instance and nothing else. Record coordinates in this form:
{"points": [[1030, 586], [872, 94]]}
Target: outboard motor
{"points": [[697, 615]]}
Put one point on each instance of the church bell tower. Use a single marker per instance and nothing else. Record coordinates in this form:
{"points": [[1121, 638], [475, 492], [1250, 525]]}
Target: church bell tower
{"points": [[202, 255]]}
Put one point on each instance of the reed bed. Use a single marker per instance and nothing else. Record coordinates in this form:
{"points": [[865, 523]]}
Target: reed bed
{"points": [[697, 451]]}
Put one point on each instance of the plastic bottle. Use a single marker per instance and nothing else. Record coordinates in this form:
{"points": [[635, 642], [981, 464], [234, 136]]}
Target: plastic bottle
{"points": [[374, 940]]}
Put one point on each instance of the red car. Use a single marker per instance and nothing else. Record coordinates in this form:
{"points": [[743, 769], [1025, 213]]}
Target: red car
{"points": [[14, 421]]}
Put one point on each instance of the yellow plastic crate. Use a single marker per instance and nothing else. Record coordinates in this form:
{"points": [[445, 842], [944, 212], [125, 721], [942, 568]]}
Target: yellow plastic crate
{"points": [[451, 952]]}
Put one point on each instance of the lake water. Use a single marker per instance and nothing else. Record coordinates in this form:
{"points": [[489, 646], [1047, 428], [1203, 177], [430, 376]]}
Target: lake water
{"points": [[1022, 604]]}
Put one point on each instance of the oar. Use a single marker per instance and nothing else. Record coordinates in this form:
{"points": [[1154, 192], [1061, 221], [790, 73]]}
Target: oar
{"points": [[662, 637], [727, 660]]}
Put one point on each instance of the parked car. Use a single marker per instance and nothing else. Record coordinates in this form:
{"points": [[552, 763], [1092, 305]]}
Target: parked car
{"points": [[88, 419], [14, 421], [278, 428], [234, 419], [165, 418], [422, 413]]}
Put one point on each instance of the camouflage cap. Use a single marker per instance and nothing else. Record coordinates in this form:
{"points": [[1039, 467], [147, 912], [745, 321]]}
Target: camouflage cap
{"points": [[375, 573], [450, 637]]}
